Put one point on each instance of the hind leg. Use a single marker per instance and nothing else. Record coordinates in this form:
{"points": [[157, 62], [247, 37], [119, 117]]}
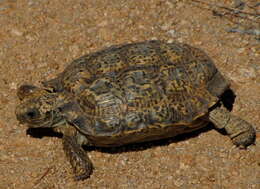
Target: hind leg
{"points": [[240, 131]]}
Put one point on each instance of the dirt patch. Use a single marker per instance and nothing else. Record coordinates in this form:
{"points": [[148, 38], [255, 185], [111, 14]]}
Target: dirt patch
{"points": [[39, 38]]}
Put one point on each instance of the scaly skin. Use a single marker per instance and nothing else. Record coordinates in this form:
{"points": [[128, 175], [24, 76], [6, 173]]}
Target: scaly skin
{"points": [[79, 160], [72, 142], [240, 131]]}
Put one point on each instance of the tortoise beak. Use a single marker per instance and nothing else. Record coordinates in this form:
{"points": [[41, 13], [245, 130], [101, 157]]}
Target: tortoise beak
{"points": [[28, 115], [32, 117]]}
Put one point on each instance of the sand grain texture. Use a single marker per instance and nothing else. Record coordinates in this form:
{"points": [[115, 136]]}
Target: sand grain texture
{"points": [[39, 38]]}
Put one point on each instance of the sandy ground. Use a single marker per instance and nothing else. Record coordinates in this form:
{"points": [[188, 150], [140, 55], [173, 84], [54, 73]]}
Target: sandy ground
{"points": [[39, 38]]}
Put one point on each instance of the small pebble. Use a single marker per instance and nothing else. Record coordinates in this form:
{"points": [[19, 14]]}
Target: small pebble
{"points": [[16, 32], [13, 86]]}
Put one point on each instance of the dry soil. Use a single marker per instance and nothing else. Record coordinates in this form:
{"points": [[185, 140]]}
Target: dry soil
{"points": [[38, 39]]}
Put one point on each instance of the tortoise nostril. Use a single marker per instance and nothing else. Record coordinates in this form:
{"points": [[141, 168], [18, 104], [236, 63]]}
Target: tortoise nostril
{"points": [[31, 114]]}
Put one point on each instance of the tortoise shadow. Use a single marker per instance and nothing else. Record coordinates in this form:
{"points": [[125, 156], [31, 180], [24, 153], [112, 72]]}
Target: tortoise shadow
{"points": [[228, 98], [42, 132]]}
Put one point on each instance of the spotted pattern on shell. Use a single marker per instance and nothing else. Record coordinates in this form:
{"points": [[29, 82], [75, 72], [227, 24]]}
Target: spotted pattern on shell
{"points": [[131, 93]]}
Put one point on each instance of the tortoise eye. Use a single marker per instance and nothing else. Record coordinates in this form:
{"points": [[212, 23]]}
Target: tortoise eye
{"points": [[25, 90]]}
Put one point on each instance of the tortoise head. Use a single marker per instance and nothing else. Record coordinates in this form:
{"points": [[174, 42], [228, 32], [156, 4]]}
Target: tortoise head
{"points": [[37, 107]]}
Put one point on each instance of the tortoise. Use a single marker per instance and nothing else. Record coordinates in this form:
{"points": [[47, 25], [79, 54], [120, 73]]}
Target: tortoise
{"points": [[131, 93]]}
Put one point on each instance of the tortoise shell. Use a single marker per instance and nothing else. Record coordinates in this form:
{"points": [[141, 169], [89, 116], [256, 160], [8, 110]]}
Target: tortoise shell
{"points": [[139, 92]]}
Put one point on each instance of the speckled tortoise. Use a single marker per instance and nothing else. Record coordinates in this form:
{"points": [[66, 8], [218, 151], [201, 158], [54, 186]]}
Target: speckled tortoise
{"points": [[128, 94]]}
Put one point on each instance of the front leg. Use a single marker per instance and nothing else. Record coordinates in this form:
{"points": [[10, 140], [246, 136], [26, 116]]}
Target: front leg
{"points": [[79, 160]]}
